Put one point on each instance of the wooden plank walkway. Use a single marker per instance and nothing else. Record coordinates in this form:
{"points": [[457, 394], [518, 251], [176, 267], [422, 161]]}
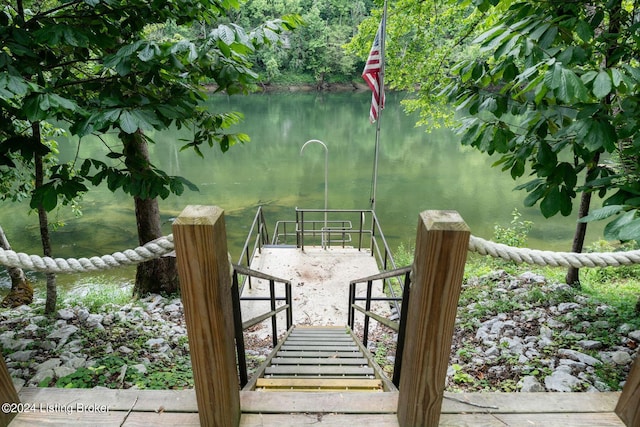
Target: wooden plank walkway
{"points": [[138, 408]]}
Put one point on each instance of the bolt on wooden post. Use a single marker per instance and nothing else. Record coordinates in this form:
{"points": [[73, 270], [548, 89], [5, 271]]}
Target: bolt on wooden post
{"points": [[441, 252], [200, 241]]}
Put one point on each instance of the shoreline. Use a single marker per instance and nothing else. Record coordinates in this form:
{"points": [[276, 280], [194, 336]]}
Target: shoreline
{"points": [[303, 87]]}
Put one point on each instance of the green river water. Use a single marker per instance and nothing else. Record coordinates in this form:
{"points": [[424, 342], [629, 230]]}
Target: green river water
{"points": [[416, 171]]}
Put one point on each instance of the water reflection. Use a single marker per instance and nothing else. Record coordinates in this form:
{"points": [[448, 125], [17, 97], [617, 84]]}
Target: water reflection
{"points": [[417, 171]]}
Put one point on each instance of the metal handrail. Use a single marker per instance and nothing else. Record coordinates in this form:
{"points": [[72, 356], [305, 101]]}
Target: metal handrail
{"points": [[399, 327], [377, 243], [240, 326], [261, 238]]}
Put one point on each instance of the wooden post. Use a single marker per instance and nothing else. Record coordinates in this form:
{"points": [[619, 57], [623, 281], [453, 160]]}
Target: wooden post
{"points": [[628, 407], [441, 252], [200, 241], [8, 394]]}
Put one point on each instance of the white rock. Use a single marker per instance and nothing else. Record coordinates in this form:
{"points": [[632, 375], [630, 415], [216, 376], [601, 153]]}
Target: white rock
{"points": [[140, 368], [530, 277], [48, 364], [513, 344], [625, 328], [546, 331], [580, 357], [66, 314], [124, 349], [171, 308], [94, 321], [31, 327], [564, 307], [22, 355], [492, 351], [561, 381], [63, 333], [530, 384], [155, 342], [41, 376], [83, 314], [63, 371], [621, 358]]}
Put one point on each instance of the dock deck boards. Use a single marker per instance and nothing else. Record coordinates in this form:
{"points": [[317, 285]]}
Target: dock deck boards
{"points": [[137, 408]]}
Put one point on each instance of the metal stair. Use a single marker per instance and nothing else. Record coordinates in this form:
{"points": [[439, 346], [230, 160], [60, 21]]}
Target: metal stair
{"points": [[326, 358]]}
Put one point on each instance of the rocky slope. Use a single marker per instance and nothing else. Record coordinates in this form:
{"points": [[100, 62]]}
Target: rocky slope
{"points": [[513, 334]]}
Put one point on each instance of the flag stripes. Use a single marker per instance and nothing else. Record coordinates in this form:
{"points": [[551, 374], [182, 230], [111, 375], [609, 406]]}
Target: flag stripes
{"points": [[373, 76]]}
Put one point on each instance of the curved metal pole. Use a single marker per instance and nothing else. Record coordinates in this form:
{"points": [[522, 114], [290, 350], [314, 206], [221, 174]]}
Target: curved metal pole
{"points": [[326, 174]]}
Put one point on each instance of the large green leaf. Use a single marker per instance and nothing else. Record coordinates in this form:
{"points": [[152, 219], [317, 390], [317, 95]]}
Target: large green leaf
{"points": [[571, 88], [551, 203], [132, 120], [612, 229], [148, 52], [535, 195], [226, 34], [128, 122], [602, 85], [630, 231], [45, 197], [602, 213]]}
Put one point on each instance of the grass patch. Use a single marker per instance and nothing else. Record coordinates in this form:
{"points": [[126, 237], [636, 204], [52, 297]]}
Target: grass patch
{"points": [[97, 293]]}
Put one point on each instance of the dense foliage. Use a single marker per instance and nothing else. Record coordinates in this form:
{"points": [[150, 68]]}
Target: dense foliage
{"points": [[313, 53], [555, 87], [111, 66]]}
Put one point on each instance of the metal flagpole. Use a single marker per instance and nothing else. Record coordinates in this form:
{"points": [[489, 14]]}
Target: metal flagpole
{"points": [[381, 101]]}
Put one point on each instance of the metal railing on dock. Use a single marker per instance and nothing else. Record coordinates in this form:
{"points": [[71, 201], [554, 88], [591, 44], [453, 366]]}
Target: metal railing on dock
{"points": [[259, 234], [335, 227], [399, 326], [240, 326]]}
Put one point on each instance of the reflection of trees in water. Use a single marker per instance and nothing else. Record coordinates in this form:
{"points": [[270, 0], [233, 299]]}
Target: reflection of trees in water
{"points": [[417, 171]]}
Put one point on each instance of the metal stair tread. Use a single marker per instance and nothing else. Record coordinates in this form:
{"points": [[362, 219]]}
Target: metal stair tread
{"points": [[318, 370], [325, 353], [319, 361], [343, 348], [315, 384]]}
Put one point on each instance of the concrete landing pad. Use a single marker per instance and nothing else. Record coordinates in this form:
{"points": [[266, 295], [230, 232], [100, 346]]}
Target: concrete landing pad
{"points": [[320, 282]]}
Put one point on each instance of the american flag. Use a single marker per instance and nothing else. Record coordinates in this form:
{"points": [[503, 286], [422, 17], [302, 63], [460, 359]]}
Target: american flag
{"points": [[372, 74]]}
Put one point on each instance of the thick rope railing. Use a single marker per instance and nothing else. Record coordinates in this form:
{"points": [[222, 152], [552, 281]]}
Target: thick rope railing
{"points": [[147, 252], [550, 258], [164, 246]]}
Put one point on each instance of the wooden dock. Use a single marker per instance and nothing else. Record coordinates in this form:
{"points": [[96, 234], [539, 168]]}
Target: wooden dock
{"points": [[137, 408]]}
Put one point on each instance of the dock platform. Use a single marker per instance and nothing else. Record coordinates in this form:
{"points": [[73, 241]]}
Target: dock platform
{"points": [[320, 282], [137, 408]]}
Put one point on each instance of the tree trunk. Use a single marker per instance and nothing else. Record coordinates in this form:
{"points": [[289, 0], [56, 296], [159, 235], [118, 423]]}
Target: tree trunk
{"points": [[615, 9], [21, 291], [573, 274], [52, 292], [159, 275]]}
